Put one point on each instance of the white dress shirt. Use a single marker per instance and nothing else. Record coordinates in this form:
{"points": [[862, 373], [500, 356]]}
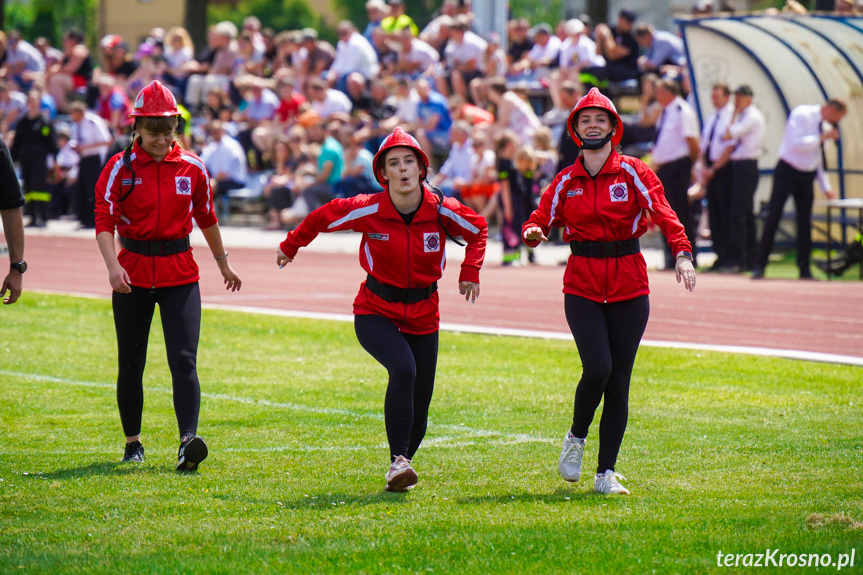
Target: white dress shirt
{"points": [[677, 123], [801, 142], [460, 161], [421, 53], [355, 55], [92, 129], [715, 126], [225, 157], [581, 50], [747, 131], [472, 47], [551, 50]]}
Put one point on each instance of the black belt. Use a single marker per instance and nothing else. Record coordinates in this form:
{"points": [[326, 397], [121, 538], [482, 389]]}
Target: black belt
{"points": [[605, 249], [400, 295], [157, 248]]}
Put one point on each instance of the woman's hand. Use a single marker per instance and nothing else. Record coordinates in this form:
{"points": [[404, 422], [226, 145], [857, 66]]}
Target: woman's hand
{"points": [[232, 280], [119, 279], [469, 290], [684, 270], [533, 234], [282, 259]]}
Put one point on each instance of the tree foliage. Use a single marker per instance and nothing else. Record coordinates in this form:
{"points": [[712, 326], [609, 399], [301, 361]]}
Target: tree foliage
{"points": [[51, 19], [536, 11], [278, 15]]}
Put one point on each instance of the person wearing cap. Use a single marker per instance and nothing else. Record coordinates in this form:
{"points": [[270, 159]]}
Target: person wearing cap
{"points": [[150, 194], [403, 251], [674, 152], [745, 130], [578, 54], [801, 162], [602, 202]]}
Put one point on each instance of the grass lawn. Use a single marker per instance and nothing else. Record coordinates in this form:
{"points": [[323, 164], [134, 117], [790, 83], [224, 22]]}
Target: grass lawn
{"points": [[726, 453]]}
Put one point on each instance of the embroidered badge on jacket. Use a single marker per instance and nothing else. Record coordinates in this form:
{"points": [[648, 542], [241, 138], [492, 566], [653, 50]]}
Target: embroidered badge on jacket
{"points": [[618, 192], [184, 185], [431, 242]]}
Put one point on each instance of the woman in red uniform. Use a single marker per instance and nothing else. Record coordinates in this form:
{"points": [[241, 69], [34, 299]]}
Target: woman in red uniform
{"points": [[150, 193], [602, 202], [396, 310]]}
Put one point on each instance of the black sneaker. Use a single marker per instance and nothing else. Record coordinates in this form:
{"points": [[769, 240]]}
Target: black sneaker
{"points": [[134, 452], [192, 452]]}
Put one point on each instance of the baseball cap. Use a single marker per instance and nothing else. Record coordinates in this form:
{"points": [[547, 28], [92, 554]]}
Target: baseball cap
{"points": [[628, 15], [743, 90], [542, 27]]}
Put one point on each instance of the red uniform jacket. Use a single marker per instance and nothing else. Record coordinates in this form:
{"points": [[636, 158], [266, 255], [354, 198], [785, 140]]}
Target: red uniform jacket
{"points": [[612, 207], [167, 195], [397, 254]]}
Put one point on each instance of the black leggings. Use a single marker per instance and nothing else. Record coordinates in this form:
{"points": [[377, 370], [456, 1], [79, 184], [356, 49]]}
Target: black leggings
{"points": [[607, 337], [180, 309], [411, 361]]}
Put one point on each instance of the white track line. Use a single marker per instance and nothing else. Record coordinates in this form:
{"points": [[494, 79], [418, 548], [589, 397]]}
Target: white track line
{"points": [[469, 432], [541, 334]]}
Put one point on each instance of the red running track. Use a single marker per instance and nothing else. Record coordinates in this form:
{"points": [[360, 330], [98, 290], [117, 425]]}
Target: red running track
{"points": [[725, 310]]}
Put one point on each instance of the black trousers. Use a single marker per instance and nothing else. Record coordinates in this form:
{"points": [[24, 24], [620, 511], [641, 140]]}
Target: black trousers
{"points": [[180, 310], [411, 361], [788, 181], [741, 230], [675, 177], [88, 174], [607, 336], [719, 212]]}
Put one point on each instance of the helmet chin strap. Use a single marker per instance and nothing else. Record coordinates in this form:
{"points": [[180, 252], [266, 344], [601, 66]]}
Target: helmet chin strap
{"points": [[594, 143]]}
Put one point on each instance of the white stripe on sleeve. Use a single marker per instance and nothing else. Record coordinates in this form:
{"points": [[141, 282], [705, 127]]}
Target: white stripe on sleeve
{"points": [[369, 257], [638, 184], [355, 215], [111, 177], [445, 211], [200, 165]]}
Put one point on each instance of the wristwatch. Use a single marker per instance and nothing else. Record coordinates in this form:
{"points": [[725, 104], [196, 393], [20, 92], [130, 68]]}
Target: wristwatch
{"points": [[20, 267], [687, 255]]}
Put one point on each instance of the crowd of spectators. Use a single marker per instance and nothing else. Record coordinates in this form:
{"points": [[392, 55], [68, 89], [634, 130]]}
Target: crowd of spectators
{"points": [[311, 115]]}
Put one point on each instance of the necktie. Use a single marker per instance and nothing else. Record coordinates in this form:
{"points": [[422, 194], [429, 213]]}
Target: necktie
{"points": [[710, 138]]}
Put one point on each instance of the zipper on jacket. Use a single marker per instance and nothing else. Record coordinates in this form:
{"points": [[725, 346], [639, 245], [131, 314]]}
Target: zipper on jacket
{"points": [[408, 260], [601, 223], [158, 212]]}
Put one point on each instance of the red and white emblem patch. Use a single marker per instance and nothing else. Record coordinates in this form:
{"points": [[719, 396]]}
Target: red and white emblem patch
{"points": [[618, 192], [431, 242], [184, 185]]}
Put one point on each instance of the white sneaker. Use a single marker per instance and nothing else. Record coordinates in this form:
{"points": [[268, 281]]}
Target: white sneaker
{"points": [[570, 457], [607, 483], [401, 476]]}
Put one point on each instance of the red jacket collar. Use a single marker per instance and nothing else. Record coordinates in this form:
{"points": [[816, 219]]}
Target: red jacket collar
{"points": [[427, 210], [611, 166], [145, 158]]}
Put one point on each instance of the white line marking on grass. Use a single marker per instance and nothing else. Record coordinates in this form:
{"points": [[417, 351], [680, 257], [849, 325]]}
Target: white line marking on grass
{"points": [[541, 334], [467, 431]]}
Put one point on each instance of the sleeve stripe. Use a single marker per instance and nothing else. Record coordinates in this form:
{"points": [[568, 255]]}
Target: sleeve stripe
{"points": [[114, 170], [445, 211], [638, 184], [355, 215], [200, 165], [369, 258]]}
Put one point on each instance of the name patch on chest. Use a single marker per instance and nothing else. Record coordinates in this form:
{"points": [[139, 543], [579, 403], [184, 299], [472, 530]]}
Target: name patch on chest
{"points": [[618, 192], [128, 181], [381, 237], [431, 242], [184, 185], [574, 192]]}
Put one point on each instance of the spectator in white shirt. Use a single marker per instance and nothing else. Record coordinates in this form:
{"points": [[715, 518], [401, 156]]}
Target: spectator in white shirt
{"points": [[225, 159], [544, 54], [457, 170], [464, 57], [92, 138], [577, 52], [353, 54], [416, 58], [800, 163], [327, 102], [24, 63], [13, 105]]}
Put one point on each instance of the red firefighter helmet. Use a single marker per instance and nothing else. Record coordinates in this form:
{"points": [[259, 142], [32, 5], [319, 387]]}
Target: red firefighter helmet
{"points": [[155, 99], [399, 138], [594, 99]]}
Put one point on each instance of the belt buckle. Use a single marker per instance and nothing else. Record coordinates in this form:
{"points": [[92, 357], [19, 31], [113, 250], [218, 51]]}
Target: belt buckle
{"points": [[609, 249]]}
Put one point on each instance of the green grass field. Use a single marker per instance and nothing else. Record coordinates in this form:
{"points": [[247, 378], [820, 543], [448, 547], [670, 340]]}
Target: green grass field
{"points": [[726, 453]]}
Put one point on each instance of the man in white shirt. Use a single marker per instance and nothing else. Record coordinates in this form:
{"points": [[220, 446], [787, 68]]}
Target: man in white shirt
{"points": [[92, 139], [24, 62], [225, 159], [416, 58], [716, 172], [675, 150], [746, 130], [353, 54], [328, 102], [457, 170], [799, 165], [465, 59]]}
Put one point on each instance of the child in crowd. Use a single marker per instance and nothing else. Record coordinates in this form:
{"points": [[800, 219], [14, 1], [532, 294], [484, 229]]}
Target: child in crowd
{"points": [[483, 184], [64, 174], [514, 188]]}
